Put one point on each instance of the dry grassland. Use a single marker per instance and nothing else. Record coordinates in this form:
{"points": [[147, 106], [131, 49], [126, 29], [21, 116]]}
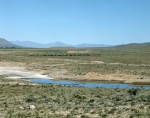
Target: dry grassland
{"points": [[126, 65]]}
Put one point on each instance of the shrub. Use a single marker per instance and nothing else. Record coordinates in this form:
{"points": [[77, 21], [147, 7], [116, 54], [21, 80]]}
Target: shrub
{"points": [[133, 91], [31, 100]]}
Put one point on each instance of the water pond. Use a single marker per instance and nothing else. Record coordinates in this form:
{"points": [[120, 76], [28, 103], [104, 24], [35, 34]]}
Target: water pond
{"points": [[84, 84]]}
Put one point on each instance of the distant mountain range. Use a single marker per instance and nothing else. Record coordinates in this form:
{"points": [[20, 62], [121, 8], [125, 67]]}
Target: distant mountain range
{"points": [[38, 45], [24, 44], [55, 44]]}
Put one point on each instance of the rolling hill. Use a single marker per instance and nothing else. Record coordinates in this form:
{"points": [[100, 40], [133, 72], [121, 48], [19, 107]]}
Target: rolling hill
{"points": [[6, 44], [134, 45]]}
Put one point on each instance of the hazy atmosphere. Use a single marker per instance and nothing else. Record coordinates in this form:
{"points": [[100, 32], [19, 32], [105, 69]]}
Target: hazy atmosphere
{"points": [[110, 22]]}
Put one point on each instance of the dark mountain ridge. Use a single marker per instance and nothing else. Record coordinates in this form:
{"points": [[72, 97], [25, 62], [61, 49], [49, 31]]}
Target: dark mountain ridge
{"points": [[6, 44]]}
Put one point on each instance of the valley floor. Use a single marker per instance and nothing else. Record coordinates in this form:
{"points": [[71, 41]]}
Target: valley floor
{"points": [[55, 101]]}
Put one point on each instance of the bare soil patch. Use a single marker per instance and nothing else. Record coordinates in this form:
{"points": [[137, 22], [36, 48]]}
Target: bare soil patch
{"points": [[16, 70]]}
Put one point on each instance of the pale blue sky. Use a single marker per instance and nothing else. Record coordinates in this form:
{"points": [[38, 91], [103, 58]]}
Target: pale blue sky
{"points": [[109, 22]]}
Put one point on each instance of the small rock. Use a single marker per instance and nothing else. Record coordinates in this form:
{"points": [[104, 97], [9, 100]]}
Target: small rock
{"points": [[32, 107], [22, 108], [20, 101]]}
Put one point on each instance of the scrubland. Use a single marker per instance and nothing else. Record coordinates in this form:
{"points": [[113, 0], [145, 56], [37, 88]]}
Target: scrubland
{"points": [[54, 101], [120, 64]]}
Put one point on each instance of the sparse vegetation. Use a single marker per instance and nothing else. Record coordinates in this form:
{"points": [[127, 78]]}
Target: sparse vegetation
{"points": [[53, 101], [65, 101]]}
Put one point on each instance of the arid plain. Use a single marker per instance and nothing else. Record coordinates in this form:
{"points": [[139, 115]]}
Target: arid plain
{"points": [[125, 64]]}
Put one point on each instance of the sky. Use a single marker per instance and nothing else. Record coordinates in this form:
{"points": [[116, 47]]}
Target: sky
{"points": [[110, 22]]}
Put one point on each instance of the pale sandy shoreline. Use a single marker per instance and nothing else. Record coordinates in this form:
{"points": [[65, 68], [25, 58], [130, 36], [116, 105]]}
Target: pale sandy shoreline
{"points": [[16, 70]]}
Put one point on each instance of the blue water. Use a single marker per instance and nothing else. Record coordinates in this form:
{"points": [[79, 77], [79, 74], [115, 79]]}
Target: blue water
{"points": [[87, 84]]}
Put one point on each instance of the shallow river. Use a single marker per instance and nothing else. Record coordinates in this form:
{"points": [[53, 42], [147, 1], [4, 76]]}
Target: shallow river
{"points": [[84, 84]]}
